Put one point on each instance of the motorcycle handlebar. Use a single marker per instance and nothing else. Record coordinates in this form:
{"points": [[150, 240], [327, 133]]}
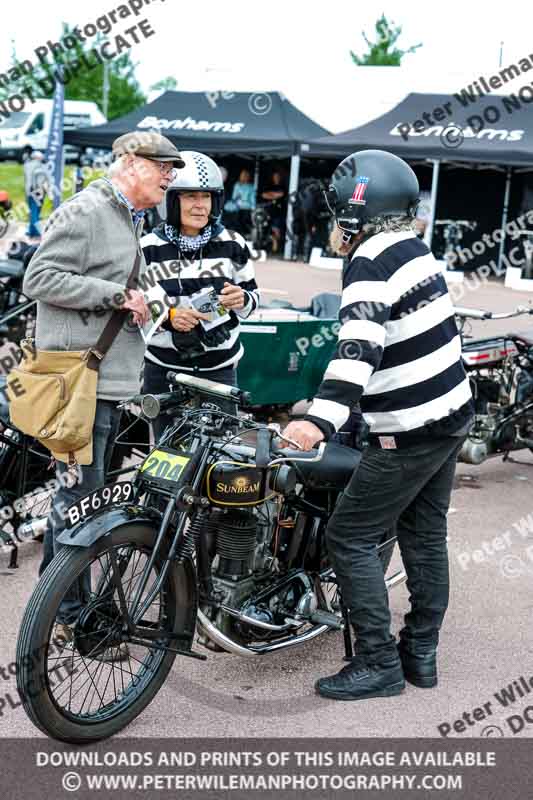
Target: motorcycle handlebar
{"points": [[516, 313], [298, 455], [206, 386], [281, 455], [475, 313]]}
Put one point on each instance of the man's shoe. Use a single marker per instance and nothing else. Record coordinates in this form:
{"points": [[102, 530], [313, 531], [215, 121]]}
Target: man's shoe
{"points": [[63, 638], [62, 635], [112, 654], [419, 669], [359, 680]]}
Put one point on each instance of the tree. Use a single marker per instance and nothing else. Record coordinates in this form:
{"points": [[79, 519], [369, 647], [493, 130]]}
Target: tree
{"points": [[383, 52], [164, 85], [125, 94], [87, 83]]}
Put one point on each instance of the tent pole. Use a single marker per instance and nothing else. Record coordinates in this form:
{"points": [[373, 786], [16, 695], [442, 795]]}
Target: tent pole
{"points": [[256, 175], [293, 188], [504, 216], [428, 233]]}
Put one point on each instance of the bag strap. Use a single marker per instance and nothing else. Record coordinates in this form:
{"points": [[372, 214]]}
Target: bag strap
{"points": [[115, 322]]}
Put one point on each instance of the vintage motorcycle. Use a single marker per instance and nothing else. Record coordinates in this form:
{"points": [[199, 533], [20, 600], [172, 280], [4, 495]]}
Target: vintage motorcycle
{"points": [[261, 230], [500, 369], [17, 312], [218, 535]]}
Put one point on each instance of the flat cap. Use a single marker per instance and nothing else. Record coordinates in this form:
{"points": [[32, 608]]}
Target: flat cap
{"points": [[148, 144]]}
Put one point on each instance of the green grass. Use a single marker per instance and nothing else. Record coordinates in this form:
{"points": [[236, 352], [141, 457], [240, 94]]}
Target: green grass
{"points": [[12, 181]]}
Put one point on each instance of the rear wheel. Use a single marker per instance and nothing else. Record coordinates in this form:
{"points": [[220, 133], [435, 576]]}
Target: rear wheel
{"points": [[385, 550], [79, 691], [26, 484]]}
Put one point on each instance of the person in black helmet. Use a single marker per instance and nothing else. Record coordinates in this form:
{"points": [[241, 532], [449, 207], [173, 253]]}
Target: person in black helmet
{"points": [[399, 355], [208, 277]]}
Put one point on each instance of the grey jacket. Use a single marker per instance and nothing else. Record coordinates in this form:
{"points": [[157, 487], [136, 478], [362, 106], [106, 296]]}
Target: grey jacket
{"points": [[78, 276]]}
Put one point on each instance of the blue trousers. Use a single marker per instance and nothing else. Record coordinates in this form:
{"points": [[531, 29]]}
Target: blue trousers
{"points": [[106, 425], [35, 213]]}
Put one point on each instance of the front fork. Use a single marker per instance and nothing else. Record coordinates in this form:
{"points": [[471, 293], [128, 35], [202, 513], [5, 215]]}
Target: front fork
{"points": [[182, 504]]}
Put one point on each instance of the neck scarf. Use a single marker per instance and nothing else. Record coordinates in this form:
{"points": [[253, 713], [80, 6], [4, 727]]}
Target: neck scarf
{"points": [[189, 243]]}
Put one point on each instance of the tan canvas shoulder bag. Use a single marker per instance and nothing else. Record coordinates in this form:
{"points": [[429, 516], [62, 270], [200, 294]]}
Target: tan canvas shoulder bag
{"points": [[55, 400]]}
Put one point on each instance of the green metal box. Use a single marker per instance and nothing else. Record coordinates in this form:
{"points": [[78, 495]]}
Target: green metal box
{"points": [[285, 355]]}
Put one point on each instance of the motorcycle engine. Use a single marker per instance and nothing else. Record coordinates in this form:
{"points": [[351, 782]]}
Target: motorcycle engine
{"points": [[524, 388], [239, 545], [484, 391], [487, 395], [524, 394]]}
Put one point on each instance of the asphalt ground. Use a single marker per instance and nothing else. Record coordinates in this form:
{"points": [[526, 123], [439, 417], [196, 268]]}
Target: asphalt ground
{"points": [[486, 641]]}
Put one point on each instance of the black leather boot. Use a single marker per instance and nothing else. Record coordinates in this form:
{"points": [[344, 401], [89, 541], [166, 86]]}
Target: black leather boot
{"points": [[359, 680], [420, 669]]}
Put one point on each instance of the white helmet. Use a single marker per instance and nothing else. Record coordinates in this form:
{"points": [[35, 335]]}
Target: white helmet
{"points": [[200, 173]]}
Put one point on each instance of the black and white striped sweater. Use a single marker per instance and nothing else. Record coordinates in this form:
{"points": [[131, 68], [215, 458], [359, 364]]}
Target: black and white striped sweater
{"points": [[399, 351], [225, 257]]}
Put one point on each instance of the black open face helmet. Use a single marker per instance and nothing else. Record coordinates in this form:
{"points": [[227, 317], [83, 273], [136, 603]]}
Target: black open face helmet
{"points": [[369, 184]]}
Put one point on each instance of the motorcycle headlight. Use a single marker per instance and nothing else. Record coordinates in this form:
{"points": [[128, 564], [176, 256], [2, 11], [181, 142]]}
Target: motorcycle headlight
{"points": [[150, 406]]}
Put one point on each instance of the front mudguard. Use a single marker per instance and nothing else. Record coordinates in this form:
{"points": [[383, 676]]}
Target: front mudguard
{"points": [[87, 531], [102, 524]]}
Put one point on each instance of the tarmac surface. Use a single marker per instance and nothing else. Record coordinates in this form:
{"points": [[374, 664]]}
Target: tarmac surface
{"points": [[486, 641]]}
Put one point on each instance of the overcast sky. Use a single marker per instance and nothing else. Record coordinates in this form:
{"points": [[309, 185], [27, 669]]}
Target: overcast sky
{"points": [[299, 46]]}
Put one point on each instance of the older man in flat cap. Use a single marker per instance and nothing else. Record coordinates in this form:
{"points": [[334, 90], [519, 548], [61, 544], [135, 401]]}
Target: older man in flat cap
{"points": [[78, 277]]}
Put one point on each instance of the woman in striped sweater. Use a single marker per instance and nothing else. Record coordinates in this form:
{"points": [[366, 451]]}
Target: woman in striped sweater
{"points": [[207, 275], [399, 355]]}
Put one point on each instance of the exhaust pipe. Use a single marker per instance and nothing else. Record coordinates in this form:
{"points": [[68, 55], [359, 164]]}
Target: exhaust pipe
{"points": [[257, 623], [230, 646], [398, 577], [32, 529], [254, 650]]}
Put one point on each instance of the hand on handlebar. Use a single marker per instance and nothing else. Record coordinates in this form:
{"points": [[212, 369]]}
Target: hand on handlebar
{"points": [[303, 433]]}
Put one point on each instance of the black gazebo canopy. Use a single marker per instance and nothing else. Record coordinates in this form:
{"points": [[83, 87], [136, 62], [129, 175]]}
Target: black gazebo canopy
{"points": [[213, 122], [490, 130]]}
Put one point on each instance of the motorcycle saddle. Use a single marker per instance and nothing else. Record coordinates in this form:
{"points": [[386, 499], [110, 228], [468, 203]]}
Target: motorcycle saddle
{"points": [[525, 337], [334, 469], [10, 268]]}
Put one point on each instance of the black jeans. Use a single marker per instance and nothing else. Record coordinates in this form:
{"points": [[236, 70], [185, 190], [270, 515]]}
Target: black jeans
{"points": [[155, 382], [409, 488]]}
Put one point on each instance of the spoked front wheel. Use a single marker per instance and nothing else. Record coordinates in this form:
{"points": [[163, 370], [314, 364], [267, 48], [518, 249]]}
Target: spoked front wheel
{"points": [[87, 680]]}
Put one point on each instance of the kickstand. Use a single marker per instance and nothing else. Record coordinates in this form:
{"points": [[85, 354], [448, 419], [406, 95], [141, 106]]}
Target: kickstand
{"points": [[13, 557], [348, 647], [510, 460]]}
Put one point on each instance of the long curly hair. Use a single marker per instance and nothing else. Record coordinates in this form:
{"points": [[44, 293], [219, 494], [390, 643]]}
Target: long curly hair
{"points": [[394, 224]]}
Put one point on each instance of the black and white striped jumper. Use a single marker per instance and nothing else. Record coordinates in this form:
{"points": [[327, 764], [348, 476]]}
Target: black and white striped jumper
{"points": [[399, 350], [225, 257]]}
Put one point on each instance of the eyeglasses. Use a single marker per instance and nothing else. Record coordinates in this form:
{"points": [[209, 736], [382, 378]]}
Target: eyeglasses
{"points": [[165, 167]]}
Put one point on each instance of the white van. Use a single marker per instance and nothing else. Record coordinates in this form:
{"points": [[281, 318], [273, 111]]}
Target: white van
{"points": [[27, 129]]}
